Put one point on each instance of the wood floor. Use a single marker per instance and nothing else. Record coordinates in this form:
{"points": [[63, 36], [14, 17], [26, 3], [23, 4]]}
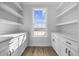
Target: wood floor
{"points": [[39, 51]]}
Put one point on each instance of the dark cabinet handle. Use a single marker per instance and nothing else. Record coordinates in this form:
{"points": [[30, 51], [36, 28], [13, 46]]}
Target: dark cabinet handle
{"points": [[69, 53], [66, 50], [9, 53], [69, 43]]}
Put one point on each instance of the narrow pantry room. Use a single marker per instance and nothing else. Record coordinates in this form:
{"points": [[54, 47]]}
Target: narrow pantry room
{"points": [[39, 29]]}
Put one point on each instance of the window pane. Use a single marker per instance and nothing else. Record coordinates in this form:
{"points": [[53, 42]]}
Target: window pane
{"points": [[39, 21]]}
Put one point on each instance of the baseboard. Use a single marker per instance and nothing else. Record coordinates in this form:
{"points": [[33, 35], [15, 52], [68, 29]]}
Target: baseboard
{"points": [[42, 44]]}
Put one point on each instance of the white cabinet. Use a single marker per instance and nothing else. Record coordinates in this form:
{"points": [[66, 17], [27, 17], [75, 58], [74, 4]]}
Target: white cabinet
{"points": [[68, 23], [18, 46], [55, 42], [67, 51], [63, 45], [63, 50], [13, 46]]}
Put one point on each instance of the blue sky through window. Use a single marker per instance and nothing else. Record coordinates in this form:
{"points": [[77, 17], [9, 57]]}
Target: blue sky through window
{"points": [[39, 17]]}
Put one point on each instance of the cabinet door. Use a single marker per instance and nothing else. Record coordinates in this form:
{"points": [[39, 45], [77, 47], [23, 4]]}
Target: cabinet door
{"points": [[56, 44], [71, 52], [13, 45], [63, 50], [67, 51], [20, 39], [52, 40], [24, 38]]}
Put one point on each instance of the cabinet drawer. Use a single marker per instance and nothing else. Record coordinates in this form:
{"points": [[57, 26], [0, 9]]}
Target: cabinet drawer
{"points": [[67, 51], [13, 47], [14, 40], [72, 44], [54, 36], [71, 52]]}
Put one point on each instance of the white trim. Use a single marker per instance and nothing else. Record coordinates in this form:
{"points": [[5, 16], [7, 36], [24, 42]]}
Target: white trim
{"points": [[11, 35], [40, 44]]}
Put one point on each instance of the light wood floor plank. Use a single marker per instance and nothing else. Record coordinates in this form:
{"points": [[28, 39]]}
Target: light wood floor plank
{"points": [[39, 51]]}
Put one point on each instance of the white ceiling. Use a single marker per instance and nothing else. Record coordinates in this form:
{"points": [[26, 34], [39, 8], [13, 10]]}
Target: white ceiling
{"points": [[40, 3], [35, 3]]}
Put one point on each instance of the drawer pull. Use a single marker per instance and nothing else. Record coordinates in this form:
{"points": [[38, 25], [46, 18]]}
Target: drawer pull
{"points": [[9, 53], [66, 50], [69, 53], [69, 43]]}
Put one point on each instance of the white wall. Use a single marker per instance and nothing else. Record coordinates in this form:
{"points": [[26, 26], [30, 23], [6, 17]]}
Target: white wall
{"points": [[51, 21], [8, 29]]}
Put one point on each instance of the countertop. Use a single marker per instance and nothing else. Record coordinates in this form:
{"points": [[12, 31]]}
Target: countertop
{"points": [[70, 36]]}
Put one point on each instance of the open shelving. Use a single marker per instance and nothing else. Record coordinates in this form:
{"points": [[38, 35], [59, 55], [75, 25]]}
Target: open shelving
{"points": [[68, 22], [68, 9], [18, 5], [61, 3], [4, 21], [10, 10]]}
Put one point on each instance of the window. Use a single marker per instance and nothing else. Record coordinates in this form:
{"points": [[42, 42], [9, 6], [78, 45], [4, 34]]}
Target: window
{"points": [[39, 17], [39, 22]]}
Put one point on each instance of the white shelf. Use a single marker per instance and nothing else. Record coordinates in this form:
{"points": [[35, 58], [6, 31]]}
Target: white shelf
{"points": [[61, 3], [66, 23], [18, 5], [4, 21], [12, 35], [10, 10], [68, 9]]}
